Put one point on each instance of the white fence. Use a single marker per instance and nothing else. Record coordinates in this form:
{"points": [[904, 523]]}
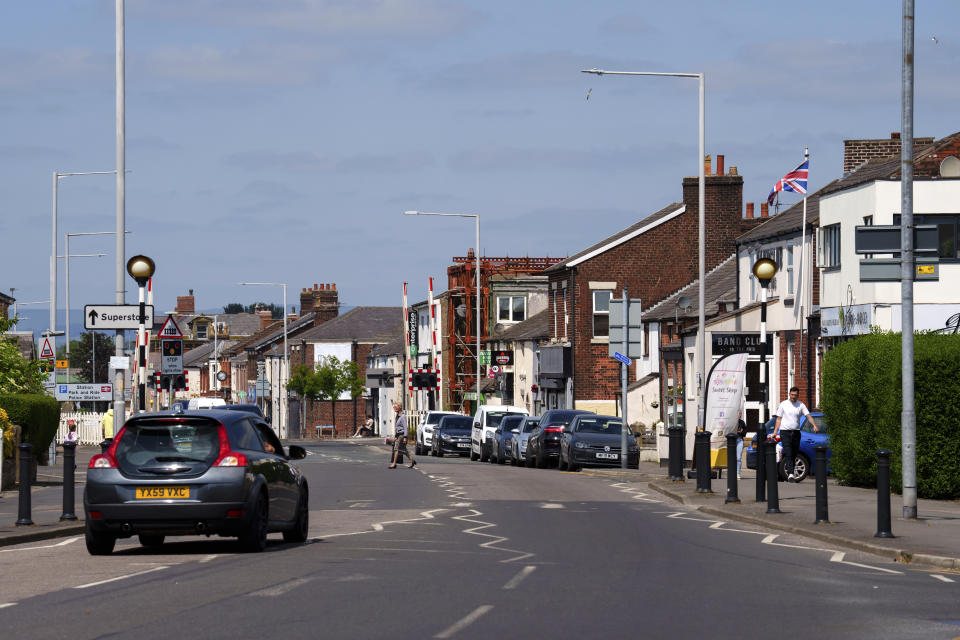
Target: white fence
{"points": [[88, 427]]}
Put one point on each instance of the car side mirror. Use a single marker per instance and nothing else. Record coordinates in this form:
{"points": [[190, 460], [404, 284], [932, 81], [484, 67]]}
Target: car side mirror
{"points": [[514, 430], [295, 452]]}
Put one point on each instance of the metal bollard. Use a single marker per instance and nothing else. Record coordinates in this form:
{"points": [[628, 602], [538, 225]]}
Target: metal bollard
{"points": [[773, 497], [105, 444], [883, 495], [761, 468], [676, 453], [26, 458], [732, 469], [69, 498], [820, 471], [701, 447]]}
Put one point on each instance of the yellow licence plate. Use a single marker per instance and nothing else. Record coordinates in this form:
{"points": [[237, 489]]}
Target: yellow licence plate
{"points": [[163, 493]]}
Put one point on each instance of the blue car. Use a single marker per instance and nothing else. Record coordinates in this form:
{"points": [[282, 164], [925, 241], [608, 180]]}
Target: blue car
{"points": [[803, 461]]}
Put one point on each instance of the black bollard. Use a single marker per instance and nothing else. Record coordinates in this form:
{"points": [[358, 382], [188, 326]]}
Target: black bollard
{"points": [[69, 457], [105, 444], [883, 495], [732, 468], [820, 470], [761, 468], [773, 497], [676, 453], [26, 460], [701, 447]]}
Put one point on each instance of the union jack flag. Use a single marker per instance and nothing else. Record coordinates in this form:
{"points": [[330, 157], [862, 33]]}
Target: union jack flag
{"points": [[795, 181]]}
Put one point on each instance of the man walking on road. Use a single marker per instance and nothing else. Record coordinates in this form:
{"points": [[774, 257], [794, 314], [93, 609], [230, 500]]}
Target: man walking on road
{"points": [[400, 437], [789, 416]]}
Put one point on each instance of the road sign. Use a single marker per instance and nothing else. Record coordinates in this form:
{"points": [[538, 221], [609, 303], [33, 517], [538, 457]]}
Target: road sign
{"points": [[170, 328], [115, 316], [45, 349], [171, 356], [886, 239], [622, 358], [120, 362], [634, 329], [485, 357], [63, 364], [84, 392], [888, 269]]}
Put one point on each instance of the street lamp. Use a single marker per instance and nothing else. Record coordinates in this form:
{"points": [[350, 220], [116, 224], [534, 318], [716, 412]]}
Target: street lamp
{"points": [[476, 257], [141, 269], [282, 426], [764, 269], [701, 261]]}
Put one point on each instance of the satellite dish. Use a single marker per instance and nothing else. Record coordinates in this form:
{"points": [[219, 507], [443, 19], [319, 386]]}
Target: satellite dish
{"points": [[684, 302], [950, 167]]}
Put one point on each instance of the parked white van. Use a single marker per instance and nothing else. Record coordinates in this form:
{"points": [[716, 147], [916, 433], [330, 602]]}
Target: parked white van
{"points": [[485, 423], [205, 403]]}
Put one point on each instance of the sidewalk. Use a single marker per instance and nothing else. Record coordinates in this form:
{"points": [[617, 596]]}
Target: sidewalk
{"points": [[932, 539], [46, 499]]}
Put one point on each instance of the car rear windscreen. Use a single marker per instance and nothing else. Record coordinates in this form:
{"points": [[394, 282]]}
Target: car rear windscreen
{"points": [[530, 425], [599, 425], [458, 422], [158, 447]]}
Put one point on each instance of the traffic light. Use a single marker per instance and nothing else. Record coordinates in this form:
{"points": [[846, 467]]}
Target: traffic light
{"points": [[423, 380], [172, 347]]}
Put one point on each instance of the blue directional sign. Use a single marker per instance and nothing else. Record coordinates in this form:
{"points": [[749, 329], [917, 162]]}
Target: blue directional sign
{"points": [[622, 358]]}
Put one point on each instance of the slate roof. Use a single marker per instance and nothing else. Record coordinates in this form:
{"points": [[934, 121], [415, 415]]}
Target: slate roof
{"points": [[366, 324], [720, 287], [274, 331], [534, 327], [886, 168], [788, 222], [205, 351], [393, 347], [651, 219]]}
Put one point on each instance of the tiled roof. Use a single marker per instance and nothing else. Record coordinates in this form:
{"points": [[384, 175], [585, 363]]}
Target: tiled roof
{"points": [[612, 240], [368, 324], [205, 351], [720, 286], [393, 347], [536, 326], [789, 221]]}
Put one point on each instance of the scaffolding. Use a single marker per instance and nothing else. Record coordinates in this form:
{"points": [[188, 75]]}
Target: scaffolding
{"points": [[461, 330]]}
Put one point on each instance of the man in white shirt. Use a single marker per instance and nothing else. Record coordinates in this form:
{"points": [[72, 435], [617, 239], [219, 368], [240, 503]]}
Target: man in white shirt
{"points": [[789, 416]]}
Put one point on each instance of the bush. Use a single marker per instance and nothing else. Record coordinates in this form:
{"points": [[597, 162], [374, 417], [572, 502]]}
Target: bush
{"points": [[8, 435], [862, 403], [37, 414]]}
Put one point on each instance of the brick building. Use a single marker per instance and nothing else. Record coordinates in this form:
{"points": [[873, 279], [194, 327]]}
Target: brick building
{"points": [[652, 258]]}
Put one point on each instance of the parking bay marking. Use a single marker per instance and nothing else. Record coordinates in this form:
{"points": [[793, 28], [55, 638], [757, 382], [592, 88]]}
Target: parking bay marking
{"points": [[464, 622], [129, 575]]}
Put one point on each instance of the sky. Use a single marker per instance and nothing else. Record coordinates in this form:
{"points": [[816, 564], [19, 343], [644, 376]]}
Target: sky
{"points": [[281, 140]]}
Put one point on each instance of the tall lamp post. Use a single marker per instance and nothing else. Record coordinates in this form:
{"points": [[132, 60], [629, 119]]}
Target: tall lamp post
{"points": [[476, 257], [701, 261], [141, 269], [282, 423], [764, 269]]}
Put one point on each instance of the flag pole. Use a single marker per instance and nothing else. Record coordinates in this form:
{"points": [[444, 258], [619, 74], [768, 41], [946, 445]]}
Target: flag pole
{"points": [[803, 264]]}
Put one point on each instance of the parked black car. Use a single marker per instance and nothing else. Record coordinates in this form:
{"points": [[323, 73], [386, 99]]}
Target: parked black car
{"points": [[595, 441], [503, 439], [452, 435], [543, 446], [211, 472]]}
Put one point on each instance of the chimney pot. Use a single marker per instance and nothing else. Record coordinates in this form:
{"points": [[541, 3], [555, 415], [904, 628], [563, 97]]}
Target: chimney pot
{"points": [[749, 210], [732, 171], [719, 165], [191, 292], [895, 135], [334, 286], [314, 286], [707, 163], [764, 210]]}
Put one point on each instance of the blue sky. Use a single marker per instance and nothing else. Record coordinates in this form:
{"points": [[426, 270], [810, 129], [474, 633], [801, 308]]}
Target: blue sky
{"points": [[280, 140]]}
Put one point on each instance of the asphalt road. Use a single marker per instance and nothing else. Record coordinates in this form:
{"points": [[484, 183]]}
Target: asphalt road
{"points": [[454, 549]]}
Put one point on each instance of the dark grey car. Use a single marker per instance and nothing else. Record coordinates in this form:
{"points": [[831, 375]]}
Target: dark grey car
{"points": [[210, 472]]}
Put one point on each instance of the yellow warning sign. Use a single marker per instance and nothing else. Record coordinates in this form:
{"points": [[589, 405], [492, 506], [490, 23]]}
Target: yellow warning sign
{"points": [[926, 269], [63, 364]]}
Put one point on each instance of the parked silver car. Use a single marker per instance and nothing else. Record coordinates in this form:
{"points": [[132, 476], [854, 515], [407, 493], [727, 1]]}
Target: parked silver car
{"points": [[520, 435]]}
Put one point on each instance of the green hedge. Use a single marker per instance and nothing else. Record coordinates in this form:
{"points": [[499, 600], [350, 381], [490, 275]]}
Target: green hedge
{"points": [[38, 414], [862, 405]]}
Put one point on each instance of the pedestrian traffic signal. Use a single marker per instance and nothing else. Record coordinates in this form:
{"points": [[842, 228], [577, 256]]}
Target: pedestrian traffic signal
{"points": [[420, 379]]}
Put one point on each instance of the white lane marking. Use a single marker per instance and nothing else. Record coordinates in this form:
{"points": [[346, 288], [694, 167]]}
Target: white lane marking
{"points": [[4, 605], [491, 544], [129, 575], [464, 622], [378, 526], [280, 589], [633, 492], [45, 546], [517, 579], [358, 503], [941, 578], [551, 505], [208, 558]]}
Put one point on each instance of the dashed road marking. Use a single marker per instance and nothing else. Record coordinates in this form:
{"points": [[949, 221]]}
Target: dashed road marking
{"points": [[551, 505], [517, 579], [464, 622], [941, 578], [129, 575], [4, 605]]}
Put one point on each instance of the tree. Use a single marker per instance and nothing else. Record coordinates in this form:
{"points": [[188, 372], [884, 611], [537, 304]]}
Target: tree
{"points": [[330, 379], [82, 354], [276, 311], [17, 374]]}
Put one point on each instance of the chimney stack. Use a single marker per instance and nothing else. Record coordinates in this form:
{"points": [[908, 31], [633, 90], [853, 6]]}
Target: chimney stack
{"points": [[749, 210], [706, 165], [185, 304], [719, 165], [266, 318], [764, 210]]}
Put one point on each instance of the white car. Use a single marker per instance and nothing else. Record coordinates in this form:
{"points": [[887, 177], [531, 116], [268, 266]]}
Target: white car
{"points": [[485, 423], [425, 430]]}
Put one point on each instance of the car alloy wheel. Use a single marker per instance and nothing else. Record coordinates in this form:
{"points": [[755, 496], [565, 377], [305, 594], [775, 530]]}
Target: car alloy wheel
{"points": [[254, 539], [301, 527]]}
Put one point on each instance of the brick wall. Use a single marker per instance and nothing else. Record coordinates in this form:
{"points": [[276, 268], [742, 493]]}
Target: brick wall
{"points": [[856, 152], [929, 167], [323, 412], [322, 300]]}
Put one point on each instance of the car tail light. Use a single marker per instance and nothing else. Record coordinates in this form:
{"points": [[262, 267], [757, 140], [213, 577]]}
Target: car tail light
{"points": [[96, 515], [234, 513], [107, 459], [557, 429], [228, 457]]}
